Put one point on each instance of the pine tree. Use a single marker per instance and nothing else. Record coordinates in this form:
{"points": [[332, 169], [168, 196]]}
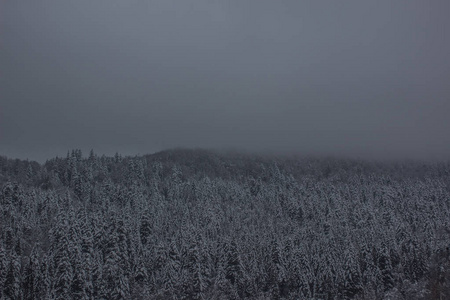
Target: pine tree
{"points": [[145, 228], [115, 278], [64, 271], [196, 267], [234, 271], [4, 263], [13, 282], [32, 276], [61, 248], [45, 280], [87, 251], [174, 267]]}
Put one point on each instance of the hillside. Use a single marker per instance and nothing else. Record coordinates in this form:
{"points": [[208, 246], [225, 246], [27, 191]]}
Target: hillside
{"points": [[200, 224]]}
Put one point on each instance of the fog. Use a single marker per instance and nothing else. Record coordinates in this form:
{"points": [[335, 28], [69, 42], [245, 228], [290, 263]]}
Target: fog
{"points": [[347, 78]]}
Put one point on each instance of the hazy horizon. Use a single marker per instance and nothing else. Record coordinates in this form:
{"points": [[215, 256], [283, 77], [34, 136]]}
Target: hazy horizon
{"points": [[364, 79]]}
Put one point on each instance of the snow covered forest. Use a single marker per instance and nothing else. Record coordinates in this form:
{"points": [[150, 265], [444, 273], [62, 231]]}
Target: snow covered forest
{"points": [[197, 224]]}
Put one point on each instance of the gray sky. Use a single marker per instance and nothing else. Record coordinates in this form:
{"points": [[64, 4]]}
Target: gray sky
{"points": [[357, 78]]}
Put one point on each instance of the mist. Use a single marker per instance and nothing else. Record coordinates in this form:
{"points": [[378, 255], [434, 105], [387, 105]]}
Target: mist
{"points": [[356, 78]]}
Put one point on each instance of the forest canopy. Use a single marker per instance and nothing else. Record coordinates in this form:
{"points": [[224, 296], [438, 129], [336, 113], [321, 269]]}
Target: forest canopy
{"points": [[198, 224]]}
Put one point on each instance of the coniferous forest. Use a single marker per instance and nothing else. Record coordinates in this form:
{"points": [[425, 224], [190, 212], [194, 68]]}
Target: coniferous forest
{"points": [[197, 224]]}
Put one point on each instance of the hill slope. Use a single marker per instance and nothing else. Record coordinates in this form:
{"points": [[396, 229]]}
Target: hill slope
{"points": [[202, 224]]}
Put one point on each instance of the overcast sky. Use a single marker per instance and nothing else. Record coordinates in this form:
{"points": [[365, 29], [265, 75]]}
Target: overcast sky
{"points": [[355, 78]]}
